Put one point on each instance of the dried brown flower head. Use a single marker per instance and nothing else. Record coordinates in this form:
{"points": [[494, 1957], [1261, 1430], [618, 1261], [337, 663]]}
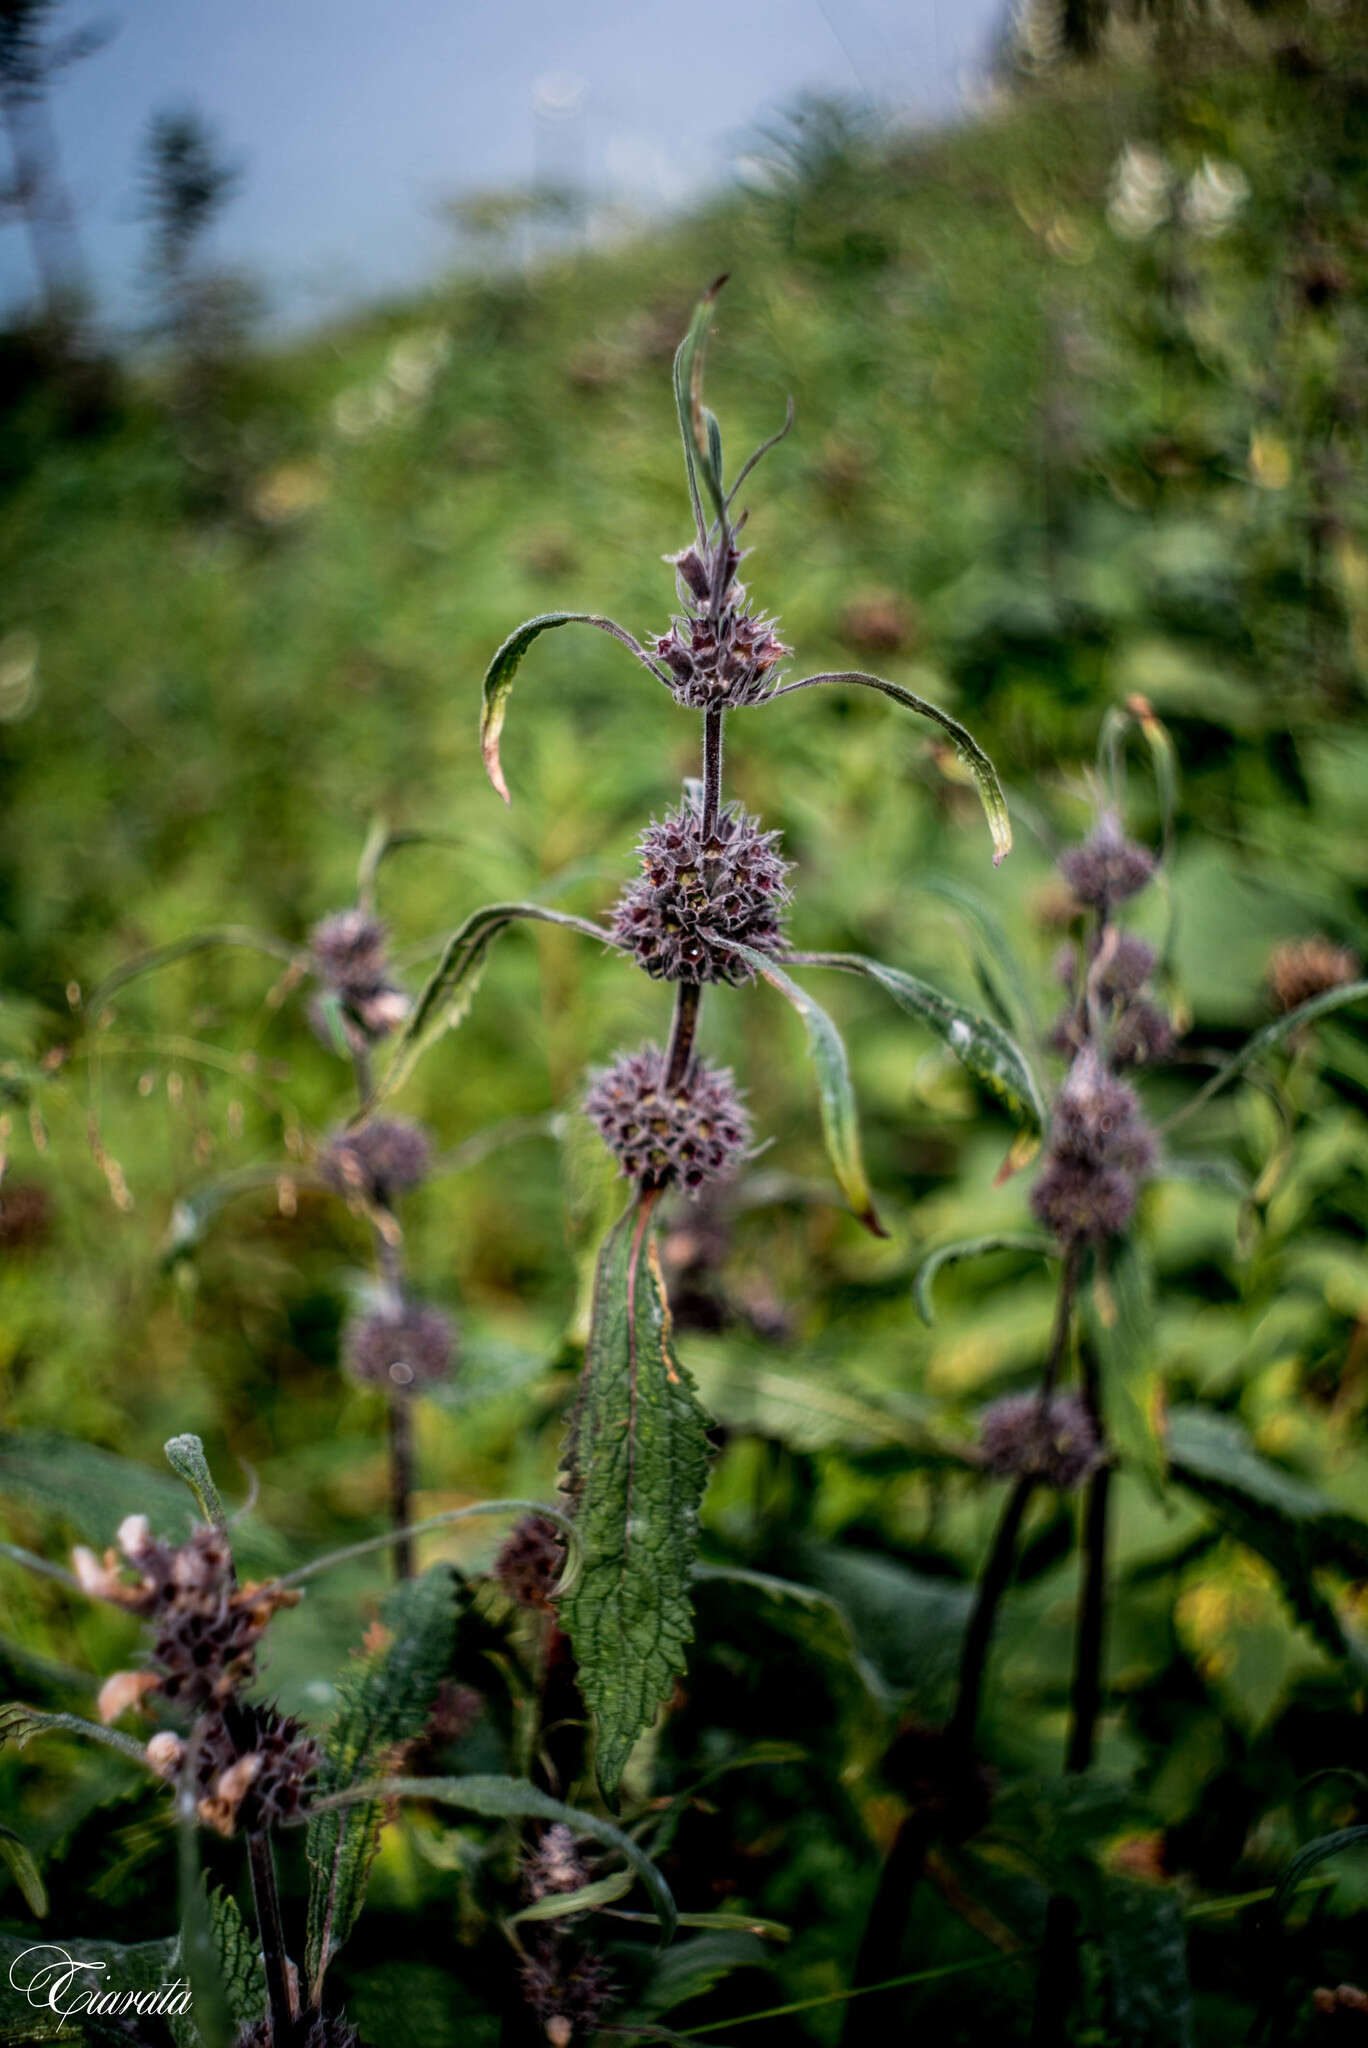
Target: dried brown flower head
{"points": [[529, 1564], [1299, 969], [253, 1768]]}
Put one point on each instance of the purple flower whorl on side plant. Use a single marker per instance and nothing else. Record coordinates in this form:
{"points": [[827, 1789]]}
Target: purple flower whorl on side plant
{"points": [[666, 1137], [404, 1348], [1048, 1438]]}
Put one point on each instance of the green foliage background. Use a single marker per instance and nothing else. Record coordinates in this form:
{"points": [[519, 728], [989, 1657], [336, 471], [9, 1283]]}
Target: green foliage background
{"points": [[1037, 468]]}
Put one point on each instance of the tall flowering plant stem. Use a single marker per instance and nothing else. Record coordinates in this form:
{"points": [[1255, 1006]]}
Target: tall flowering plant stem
{"points": [[709, 908]]}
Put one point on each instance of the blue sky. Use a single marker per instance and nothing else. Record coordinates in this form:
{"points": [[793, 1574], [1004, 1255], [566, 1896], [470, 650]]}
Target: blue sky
{"points": [[353, 119]]}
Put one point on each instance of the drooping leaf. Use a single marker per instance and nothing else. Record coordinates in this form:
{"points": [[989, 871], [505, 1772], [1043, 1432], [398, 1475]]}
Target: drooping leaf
{"points": [[445, 1000], [840, 1120], [814, 1621], [1291, 1525], [1314, 1853], [983, 1048], [16, 1853], [1271, 1036], [498, 682], [636, 1459], [511, 1799], [1144, 1947], [384, 1698], [22, 1724], [970, 1248], [966, 746]]}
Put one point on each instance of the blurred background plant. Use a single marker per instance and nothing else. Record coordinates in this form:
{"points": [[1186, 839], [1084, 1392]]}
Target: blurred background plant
{"points": [[1080, 418]]}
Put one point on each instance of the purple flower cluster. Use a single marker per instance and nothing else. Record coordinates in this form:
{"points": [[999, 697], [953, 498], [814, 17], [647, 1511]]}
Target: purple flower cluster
{"points": [[698, 897], [1100, 1148], [726, 657], [683, 1136]]}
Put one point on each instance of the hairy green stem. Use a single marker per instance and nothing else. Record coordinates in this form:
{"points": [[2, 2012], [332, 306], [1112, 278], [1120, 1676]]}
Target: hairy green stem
{"points": [[712, 769]]}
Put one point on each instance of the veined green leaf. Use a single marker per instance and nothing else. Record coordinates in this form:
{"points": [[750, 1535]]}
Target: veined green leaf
{"points": [[966, 746], [636, 1458], [383, 1698], [605, 1891], [498, 682], [240, 1977], [840, 1121], [445, 1000], [1264, 1041], [1295, 1528], [982, 1047], [140, 1966], [16, 1852], [511, 1799], [969, 1248]]}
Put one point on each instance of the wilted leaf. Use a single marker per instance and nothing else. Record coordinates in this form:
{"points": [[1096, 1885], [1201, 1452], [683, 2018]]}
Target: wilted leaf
{"points": [[636, 1459]]}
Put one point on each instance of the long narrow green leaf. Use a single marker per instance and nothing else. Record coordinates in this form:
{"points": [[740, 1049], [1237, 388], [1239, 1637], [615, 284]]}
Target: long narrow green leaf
{"points": [[445, 1000], [636, 1459], [969, 1248], [1264, 1041], [384, 1698], [21, 1724], [498, 682], [702, 455], [511, 1799], [982, 1047], [195, 942], [966, 746], [840, 1119], [1315, 1852]]}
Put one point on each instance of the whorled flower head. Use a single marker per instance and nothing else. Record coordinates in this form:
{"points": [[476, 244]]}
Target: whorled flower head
{"points": [[1054, 1441], [207, 1627], [699, 897], [1107, 868], [349, 958], [1100, 1148], [529, 1563], [569, 1988], [1141, 1033], [378, 1160], [1301, 968], [668, 1137], [253, 1768], [408, 1349], [717, 662]]}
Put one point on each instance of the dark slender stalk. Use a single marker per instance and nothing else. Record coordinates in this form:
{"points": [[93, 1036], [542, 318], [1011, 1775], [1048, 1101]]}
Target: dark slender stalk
{"points": [[271, 1935], [688, 996], [712, 768], [997, 1576], [401, 1478], [881, 1943], [1087, 1680], [1064, 1301]]}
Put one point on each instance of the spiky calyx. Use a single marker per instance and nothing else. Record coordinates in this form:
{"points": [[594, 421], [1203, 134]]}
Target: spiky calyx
{"points": [[1051, 1440], [718, 658], [323, 2030], [1116, 981], [529, 1564], [1108, 868], [378, 1161], [207, 1626], [253, 1767], [407, 1349], [699, 897], [668, 1137]]}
